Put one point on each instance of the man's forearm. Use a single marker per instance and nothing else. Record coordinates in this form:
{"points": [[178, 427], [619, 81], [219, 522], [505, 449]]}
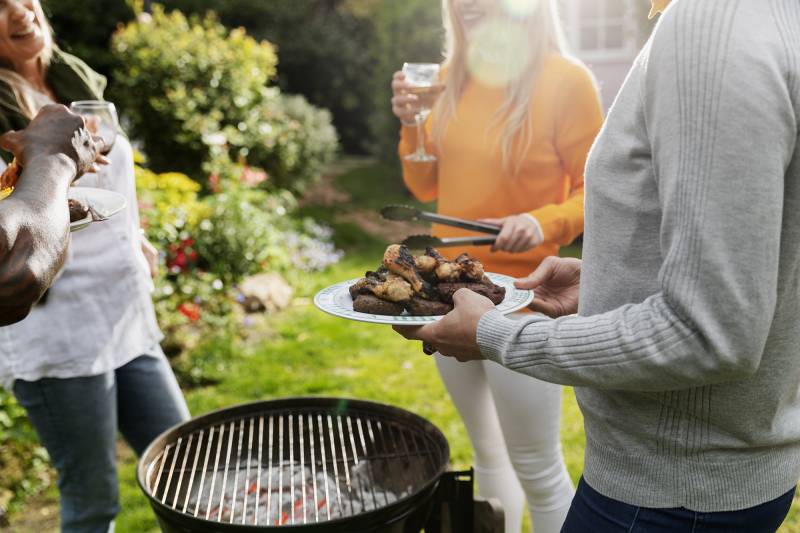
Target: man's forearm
{"points": [[34, 233]]}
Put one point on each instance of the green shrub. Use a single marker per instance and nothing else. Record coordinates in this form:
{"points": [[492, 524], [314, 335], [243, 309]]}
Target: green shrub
{"points": [[189, 87], [325, 53], [340, 54], [243, 234], [23, 461], [210, 243], [168, 205]]}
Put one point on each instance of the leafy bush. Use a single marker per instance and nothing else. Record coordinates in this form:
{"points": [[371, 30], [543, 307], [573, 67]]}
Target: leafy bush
{"points": [[23, 462], [243, 234], [189, 87], [209, 244], [325, 53], [168, 204], [340, 54]]}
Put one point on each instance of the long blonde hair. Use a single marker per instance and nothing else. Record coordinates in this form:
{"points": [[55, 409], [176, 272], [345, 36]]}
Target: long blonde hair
{"points": [[542, 34], [22, 89]]}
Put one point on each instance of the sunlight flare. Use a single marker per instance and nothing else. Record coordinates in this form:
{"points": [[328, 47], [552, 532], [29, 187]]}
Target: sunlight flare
{"points": [[498, 52]]}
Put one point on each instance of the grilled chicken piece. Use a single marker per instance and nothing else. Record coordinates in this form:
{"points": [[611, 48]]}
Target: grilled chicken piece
{"points": [[449, 271], [394, 289], [362, 286], [400, 261], [379, 275], [426, 264], [472, 269], [434, 253], [444, 270]]}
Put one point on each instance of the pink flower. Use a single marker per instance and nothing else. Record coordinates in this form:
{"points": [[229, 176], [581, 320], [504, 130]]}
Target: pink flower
{"points": [[252, 176]]}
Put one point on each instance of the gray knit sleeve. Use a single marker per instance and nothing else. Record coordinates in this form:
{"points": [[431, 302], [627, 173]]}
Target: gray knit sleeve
{"points": [[722, 127]]}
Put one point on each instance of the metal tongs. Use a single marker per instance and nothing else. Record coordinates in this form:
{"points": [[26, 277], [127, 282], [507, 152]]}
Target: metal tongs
{"points": [[407, 213]]}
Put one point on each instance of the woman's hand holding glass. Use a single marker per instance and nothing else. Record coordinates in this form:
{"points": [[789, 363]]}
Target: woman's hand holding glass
{"points": [[415, 90], [405, 106]]}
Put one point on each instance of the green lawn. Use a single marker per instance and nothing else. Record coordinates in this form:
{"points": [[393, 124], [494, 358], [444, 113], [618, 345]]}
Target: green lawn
{"points": [[310, 353]]}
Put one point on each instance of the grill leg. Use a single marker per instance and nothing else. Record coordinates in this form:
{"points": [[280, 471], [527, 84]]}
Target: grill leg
{"points": [[457, 511], [453, 500]]}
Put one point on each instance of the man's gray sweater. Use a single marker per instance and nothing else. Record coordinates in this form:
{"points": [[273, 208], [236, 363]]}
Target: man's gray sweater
{"points": [[685, 354]]}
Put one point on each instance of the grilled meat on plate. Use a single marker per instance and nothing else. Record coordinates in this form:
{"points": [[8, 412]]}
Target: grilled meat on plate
{"points": [[472, 269], [422, 307], [426, 264], [423, 286], [400, 261], [493, 292], [394, 289], [373, 305], [362, 286]]}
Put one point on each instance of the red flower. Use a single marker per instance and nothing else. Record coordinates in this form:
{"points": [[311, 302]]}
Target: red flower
{"points": [[190, 311], [181, 256]]}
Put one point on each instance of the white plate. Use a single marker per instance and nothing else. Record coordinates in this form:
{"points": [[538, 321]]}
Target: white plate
{"points": [[106, 203], [336, 301]]}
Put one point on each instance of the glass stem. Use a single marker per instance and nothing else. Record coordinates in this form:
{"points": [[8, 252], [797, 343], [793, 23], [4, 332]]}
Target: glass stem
{"points": [[420, 134]]}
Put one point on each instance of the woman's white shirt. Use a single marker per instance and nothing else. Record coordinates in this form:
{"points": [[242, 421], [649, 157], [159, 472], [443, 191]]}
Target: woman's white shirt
{"points": [[99, 313]]}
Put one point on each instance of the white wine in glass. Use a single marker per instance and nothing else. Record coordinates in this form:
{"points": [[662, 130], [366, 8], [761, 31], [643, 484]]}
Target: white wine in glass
{"points": [[425, 85], [101, 120]]}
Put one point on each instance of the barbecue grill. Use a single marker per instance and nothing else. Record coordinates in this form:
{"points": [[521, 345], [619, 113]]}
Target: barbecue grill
{"points": [[310, 464]]}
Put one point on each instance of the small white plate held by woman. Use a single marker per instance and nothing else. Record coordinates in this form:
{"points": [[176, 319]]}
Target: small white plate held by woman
{"points": [[102, 202], [336, 301]]}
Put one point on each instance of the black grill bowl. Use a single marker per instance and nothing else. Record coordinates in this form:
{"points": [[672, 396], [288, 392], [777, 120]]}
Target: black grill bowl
{"points": [[171, 470]]}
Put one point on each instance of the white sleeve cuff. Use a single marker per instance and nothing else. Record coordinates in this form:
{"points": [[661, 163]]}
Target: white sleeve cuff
{"points": [[538, 225]]}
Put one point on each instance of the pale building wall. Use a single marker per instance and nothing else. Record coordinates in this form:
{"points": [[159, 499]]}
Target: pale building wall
{"points": [[610, 76], [606, 35]]}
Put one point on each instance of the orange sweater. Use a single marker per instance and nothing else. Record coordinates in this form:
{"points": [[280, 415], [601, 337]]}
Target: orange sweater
{"points": [[470, 182]]}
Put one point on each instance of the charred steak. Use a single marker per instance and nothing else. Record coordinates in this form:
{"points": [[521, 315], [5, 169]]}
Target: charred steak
{"points": [[373, 305], [493, 292], [421, 307]]}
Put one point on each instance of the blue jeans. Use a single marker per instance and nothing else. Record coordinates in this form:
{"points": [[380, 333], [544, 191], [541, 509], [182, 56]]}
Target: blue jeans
{"points": [[77, 421], [595, 513]]}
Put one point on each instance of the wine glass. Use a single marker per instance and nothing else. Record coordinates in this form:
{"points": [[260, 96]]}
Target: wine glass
{"points": [[102, 121], [424, 81]]}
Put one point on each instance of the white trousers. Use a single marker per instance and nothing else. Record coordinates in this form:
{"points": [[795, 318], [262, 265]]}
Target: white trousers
{"points": [[513, 422]]}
